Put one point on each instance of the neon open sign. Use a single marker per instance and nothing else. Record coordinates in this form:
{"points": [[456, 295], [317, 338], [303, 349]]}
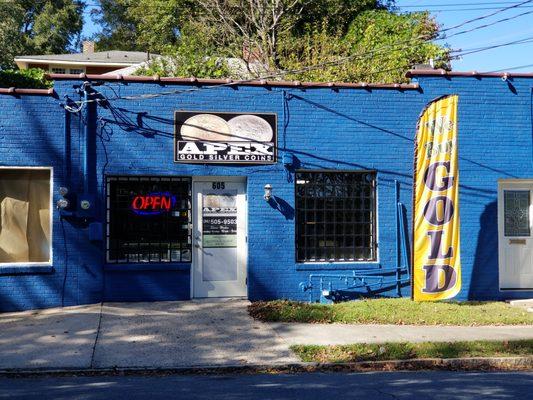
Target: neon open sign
{"points": [[153, 203]]}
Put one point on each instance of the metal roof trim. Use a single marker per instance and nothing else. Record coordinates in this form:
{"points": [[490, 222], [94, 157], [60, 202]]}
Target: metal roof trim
{"points": [[443, 72], [229, 82], [19, 91]]}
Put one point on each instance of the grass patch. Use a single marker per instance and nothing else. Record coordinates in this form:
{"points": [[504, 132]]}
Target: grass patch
{"points": [[407, 351], [392, 311]]}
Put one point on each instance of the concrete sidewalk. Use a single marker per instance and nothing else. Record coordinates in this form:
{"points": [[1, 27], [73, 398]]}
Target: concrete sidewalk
{"points": [[162, 334], [188, 334]]}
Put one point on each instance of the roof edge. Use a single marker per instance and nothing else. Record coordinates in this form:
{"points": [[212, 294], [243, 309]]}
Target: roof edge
{"points": [[443, 72], [230, 82], [18, 91], [77, 62]]}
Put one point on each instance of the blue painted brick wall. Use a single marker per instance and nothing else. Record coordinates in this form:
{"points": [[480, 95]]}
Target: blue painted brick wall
{"points": [[348, 129]]}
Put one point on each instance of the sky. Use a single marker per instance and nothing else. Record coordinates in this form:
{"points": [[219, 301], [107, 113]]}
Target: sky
{"points": [[453, 12], [449, 13]]}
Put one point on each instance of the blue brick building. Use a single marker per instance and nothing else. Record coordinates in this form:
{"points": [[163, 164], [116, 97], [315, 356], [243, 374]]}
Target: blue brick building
{"points": [[138, 223]]}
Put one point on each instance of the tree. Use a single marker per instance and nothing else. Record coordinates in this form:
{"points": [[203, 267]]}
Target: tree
{"points": [[333, 40], [336, 14], [38, 27], [11, 38], [192, 56], [141, 25], [251, 29], [379, 46]]}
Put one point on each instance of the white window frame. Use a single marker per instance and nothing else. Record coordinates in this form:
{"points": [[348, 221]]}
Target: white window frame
{"points": [[37, 263], [65, 70]]}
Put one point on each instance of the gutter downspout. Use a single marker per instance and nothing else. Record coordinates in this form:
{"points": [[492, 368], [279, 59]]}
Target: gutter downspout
{"points": [[67, 149], [89, 128], [398, 238]]}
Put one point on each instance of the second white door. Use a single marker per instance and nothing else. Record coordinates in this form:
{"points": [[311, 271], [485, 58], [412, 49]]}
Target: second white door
{"points": [[515, 215]]}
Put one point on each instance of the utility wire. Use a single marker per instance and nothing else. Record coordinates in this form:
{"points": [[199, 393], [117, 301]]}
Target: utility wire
{"points": [[280, 74], [329, 63], [463, 52], [475, 28], [484, 3], [431, 10], [516, 5], [511, 68]]}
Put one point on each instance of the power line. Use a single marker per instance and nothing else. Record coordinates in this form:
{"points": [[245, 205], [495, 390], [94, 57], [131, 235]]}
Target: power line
{"points": [[486, 25], [339, 61], [484, 3], [511, 68], [460, 55], [516, 5], [490, 47], [271, 76], [244, 81], [464, 9]]}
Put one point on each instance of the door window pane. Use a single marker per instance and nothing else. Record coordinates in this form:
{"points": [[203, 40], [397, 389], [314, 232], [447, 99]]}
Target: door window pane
{"points": [[516, 212], [25, 215]]}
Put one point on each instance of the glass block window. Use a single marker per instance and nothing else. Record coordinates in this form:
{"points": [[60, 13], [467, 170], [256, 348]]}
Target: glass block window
{"points": [[516, 212], [76, 71], [335, 216], [148, 219], [58, 70]]}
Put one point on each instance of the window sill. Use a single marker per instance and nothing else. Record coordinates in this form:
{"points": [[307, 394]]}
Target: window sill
{"points": [[26, 269], [338, 266], [148, 267]]}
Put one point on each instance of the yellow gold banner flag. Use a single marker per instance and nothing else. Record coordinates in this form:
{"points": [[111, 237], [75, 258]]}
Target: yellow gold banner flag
{"points": [[436, 241]]}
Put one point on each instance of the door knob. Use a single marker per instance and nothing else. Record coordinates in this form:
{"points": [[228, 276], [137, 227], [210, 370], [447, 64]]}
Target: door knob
{"points": [[197, 245]]}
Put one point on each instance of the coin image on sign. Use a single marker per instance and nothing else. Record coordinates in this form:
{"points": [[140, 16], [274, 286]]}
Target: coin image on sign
{"points": [[250, 128], [220, 200], [205, 127]]}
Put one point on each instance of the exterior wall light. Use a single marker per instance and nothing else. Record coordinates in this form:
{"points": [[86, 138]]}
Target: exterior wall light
{"points": [[268, 192]]}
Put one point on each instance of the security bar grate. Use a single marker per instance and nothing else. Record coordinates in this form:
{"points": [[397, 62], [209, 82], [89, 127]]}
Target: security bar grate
{"points": [[148, 219], [335, 216]]}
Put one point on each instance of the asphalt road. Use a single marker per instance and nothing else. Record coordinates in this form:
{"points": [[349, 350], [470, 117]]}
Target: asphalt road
{"points": [[374, 386]]}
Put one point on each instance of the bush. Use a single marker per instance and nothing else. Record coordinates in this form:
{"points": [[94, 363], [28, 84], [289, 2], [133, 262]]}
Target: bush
{"points": [[33, 78]]}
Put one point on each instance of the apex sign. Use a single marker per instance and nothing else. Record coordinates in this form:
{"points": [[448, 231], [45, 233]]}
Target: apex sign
{"points": [[231, 138], [225, 152]]}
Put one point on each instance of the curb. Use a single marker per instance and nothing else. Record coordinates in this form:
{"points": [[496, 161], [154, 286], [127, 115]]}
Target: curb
{"points": [[439, 364]]}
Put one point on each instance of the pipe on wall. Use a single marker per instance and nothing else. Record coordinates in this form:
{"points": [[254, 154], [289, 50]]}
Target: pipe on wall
{"points": [[90, 127], [67, 149]]}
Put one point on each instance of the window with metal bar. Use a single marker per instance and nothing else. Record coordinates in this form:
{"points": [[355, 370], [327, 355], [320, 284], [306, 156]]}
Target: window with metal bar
{"points": [[148, 219], [335, 216]]}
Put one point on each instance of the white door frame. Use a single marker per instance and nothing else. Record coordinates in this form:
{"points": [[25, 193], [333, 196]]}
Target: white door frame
{"points": [[503, 184], [211, 178]]}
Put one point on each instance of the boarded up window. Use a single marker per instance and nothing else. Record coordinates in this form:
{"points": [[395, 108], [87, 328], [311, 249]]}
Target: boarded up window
{"points": [[24, 215]]}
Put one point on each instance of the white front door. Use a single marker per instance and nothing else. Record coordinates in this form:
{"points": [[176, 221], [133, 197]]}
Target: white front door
{"points": [[219, 238], [515, 227]]}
